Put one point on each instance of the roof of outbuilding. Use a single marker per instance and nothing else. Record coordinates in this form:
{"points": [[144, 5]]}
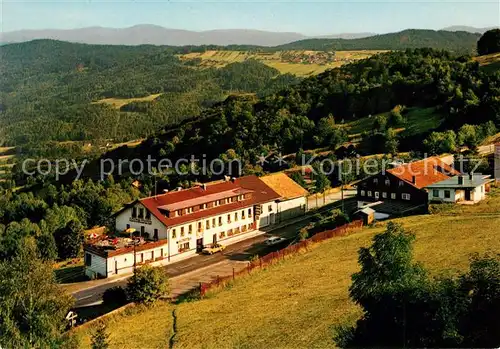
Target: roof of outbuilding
{"points": [[286, 187], [366, 210]]}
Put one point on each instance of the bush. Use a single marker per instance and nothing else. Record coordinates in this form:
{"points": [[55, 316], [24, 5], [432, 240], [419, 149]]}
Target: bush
{"points": [[395, 117], [100, 337], [303, 234], [116, 296], [317, 217], [148, 284]]}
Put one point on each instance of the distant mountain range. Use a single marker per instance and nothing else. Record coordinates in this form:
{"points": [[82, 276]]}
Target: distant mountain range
{"points": [[157, 35], [464, 28]]}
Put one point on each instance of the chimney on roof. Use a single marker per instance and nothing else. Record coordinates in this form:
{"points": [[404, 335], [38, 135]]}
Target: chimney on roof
{"points": [[233, 179], [203, 186], [460, 179], [179, 188], [414, 179]]}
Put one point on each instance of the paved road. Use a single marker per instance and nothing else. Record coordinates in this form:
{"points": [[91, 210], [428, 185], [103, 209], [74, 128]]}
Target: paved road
{"points": [[241, 251]]}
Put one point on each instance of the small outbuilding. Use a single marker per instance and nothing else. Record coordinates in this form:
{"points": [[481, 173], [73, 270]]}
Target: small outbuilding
{"points": [[367, 214]]}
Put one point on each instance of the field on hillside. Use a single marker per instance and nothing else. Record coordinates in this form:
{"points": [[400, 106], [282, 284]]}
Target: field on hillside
{"points": [[490, 62], [6, 161], [297, 303], [117, 103], [418, 120], [301, 63]]}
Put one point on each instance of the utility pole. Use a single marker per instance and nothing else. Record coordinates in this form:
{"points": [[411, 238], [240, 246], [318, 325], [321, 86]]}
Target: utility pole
{"points": [[135, 255], [342, 195]]}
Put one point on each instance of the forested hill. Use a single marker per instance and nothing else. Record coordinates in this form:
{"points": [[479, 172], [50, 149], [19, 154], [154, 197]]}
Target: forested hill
{"points": [[459, 42], [315, 113], [49, 90]]}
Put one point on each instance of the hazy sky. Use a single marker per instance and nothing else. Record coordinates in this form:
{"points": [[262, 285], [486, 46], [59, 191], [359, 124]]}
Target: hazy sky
{"points": [[318, 17]]}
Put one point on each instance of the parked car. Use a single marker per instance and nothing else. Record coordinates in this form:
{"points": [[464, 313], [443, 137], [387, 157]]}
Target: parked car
{"points": [[213, 249], [274, 240]]}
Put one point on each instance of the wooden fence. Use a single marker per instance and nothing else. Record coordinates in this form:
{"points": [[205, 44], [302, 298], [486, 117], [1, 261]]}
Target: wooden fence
{"points": [[276, 256]]}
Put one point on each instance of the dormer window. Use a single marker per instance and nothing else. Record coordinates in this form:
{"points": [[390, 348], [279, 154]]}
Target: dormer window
{"points": [[134, 212], [178, 212], [148, 215], [190, 210], [203, 206], [141, 213]]}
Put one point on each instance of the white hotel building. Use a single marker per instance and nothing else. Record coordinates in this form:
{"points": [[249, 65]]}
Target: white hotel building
{"points": [[179, 224]]}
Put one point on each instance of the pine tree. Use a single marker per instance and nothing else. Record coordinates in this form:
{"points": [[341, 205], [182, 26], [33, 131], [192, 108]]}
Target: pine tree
{"points": [[100, 337]]}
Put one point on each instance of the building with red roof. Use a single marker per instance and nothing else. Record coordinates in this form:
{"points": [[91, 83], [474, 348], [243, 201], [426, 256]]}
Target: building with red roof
{"points": [[405, 183], [184, 221]]}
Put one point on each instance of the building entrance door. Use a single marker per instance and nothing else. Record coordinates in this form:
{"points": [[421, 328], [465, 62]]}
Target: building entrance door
{"points": [[199, 245], [467, 195]]}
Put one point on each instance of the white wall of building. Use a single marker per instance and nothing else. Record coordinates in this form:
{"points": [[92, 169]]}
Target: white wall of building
{"points": [[291, 208], [223, 224], [477, 194], [124, 263], [268, 215], [98, 266], [248, 228], [125, 218], [454, 195]]}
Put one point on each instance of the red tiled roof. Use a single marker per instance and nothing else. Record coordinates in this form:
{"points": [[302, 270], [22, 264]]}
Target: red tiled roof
{"points": [[260, 193], [427, 171]]}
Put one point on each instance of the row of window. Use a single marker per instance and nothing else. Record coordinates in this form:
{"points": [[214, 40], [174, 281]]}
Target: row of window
{"points": [[387, 182], [214, 222], [447, 193], [376, 195], [143, 214], [214, 204], [235, 231]]}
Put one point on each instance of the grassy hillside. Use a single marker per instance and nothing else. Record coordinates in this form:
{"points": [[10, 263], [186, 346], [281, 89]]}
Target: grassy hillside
{"points": [[296, 303], [299, 62], [417, 120], [462, 42], [117, 103], [489, 63]]}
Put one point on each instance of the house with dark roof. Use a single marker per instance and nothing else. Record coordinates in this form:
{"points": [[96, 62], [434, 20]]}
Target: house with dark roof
{"points": [[470, 188], [178, 224], [405, 184]]}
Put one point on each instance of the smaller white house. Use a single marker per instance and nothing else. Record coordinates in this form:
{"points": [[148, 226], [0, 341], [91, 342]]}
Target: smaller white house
{"points": [[469, 188], [293, 198]]}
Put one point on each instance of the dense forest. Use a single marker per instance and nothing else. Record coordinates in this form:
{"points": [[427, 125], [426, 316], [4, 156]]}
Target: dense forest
{"points": [[458, 42], [312, 114], [47, 90]]}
